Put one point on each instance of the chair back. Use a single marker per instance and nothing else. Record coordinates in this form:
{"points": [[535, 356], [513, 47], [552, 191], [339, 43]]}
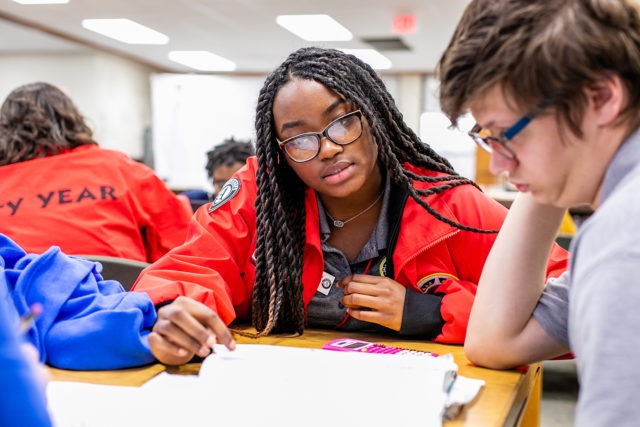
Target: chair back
{"points": [[125, 271]]}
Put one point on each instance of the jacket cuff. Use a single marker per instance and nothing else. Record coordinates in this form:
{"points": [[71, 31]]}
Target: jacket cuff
{"points": [[421, 315], [159, 305]]}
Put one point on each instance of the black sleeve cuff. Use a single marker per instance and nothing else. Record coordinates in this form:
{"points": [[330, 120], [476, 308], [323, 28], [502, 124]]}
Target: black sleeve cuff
{"points": [[162, 304], [421, 315]]}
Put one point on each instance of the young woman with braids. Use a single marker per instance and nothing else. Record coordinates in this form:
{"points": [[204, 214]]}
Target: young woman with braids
{"points": [[344, 219]]}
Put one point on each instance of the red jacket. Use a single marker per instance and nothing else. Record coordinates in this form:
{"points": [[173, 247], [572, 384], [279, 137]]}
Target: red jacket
{"points": [[91, 201], [214, 265]]}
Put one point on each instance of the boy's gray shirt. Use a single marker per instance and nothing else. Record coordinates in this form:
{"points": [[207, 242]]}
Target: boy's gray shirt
{"points": [[604, 298]]}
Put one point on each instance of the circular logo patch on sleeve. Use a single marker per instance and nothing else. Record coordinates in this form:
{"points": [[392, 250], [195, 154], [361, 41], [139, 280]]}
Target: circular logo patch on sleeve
{"points": [[228, 190], [430, 283]]}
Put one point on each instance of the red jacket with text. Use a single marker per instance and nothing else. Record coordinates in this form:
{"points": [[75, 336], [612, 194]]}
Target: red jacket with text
{"points": [[214, 265], [91, 201]]}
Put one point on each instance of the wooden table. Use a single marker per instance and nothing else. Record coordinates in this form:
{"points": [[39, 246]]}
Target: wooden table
{"points": [[509, 398]]}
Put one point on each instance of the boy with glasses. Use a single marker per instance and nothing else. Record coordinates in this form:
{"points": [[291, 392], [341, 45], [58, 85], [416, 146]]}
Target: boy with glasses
{"points": [[343, 220], [566, 73]]}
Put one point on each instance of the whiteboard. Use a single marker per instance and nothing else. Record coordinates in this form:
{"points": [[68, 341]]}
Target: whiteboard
{"points": [[193, 113]]}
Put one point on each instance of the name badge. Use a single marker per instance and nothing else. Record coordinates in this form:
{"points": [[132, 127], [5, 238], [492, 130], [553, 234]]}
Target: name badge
{"points": [[326, 283]]}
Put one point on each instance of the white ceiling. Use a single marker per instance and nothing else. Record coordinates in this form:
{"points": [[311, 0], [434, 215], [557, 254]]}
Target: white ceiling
{"points": [[243, 31]]}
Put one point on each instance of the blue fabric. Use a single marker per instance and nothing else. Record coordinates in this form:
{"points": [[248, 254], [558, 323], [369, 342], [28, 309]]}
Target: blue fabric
{"points": [[22, 396], [87, 323], [197, 195]]}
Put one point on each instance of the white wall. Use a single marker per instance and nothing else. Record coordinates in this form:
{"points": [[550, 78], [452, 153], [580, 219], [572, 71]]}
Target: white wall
{"points": [[435, 130], [192, 114], [409, 99], [112, 93]]}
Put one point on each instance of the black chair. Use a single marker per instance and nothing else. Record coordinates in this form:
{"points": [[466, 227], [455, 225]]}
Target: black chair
{"points": [[195, 204], [564, 241], [125, 271]]}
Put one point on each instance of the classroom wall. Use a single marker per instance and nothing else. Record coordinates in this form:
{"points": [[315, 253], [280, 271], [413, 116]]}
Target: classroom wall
{"points": [[115, 95], [452, 143], [194, 113], [112, 93]]}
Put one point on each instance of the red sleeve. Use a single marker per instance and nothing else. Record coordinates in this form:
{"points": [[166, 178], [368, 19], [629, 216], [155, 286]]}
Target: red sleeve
{"points": [[213, 266], [162, 216], [469, 251], [455, 310]]}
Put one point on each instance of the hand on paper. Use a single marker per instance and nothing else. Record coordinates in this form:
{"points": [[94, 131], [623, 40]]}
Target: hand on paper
{"points": [[186, 328], [374, 299]]}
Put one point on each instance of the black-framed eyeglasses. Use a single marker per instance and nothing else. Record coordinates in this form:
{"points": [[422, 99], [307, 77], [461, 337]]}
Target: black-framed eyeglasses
{"points": [[306, 146], [498, 143]]}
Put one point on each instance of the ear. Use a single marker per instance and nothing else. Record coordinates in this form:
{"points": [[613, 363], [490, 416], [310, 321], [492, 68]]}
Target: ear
{"points": [[606, 97]]}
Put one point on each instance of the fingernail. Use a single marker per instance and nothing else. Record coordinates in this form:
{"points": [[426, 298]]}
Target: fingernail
{"points": [[182, 352]]}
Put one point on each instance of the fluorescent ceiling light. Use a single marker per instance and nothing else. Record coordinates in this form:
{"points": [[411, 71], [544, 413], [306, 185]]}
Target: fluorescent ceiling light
{"points": [[202, 60], [315, 28], [41, 1], [125, 30], [372, 57]]}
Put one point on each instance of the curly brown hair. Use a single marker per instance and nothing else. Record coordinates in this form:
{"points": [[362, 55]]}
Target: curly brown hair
{"points": [[39, 120]]}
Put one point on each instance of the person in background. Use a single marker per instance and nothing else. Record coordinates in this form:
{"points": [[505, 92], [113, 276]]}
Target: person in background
{"points": [[225, 159], [345, 220], [222, 162], [554, 89], [58, 187]]}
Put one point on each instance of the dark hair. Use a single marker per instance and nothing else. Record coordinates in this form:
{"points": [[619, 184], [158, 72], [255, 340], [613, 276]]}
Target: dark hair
{"points": [[227, 153], [538, 50], [39, 120], [280, 209]]}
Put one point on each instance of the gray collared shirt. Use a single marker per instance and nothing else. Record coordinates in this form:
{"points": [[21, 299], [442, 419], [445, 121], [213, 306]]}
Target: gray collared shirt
{"points": [[421, 312], [326, 310]]}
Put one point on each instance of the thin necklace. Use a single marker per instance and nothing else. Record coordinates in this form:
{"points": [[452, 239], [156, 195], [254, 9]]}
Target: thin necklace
{"points": [[339, 224]]}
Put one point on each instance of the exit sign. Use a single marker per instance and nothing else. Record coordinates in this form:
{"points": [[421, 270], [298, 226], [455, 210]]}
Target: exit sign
{"points": [[404, 23]]}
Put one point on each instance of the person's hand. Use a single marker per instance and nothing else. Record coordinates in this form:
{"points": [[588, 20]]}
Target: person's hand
{"points": [[33, 359], [374, 299], [186, 328]]}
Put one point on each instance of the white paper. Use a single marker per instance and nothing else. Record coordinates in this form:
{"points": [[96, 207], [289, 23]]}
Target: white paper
{"points": [[463, 391], [327, 387], [264, 385]]}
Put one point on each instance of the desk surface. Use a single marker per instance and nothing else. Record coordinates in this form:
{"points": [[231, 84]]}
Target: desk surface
{"points": [[502, 402]]}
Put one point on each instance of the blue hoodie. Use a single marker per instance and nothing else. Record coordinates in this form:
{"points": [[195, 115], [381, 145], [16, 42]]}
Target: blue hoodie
{"points": [[87, 323]]}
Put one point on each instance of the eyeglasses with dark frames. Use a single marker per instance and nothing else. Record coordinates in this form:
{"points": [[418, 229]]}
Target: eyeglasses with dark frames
{"points": [[498, 143], [342, 131]]}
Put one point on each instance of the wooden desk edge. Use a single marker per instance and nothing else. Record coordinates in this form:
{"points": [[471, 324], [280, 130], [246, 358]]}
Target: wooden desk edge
{"points": [[523, 404]]}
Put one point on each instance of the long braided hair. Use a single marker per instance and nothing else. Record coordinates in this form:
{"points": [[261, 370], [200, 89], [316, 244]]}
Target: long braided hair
{"points": [[277, 294]]}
